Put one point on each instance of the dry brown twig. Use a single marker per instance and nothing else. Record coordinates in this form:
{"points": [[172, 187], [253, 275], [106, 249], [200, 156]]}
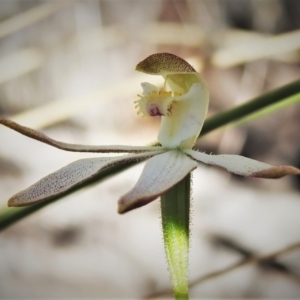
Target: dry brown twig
{"points": [[241, 263]]}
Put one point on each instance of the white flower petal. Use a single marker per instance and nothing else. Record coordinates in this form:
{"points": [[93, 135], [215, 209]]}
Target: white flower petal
{"points": [[69, 177], [39, 136], [243, 166], [182, 127], [160, 174]]}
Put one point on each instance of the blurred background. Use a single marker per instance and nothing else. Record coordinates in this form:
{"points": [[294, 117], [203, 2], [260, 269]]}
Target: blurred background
{"points": [[68, 68]]}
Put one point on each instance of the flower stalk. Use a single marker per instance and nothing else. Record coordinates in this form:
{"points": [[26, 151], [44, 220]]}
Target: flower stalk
{"points": [[175, 214]]}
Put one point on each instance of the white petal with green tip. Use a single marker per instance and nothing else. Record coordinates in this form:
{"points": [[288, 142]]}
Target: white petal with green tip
{"points": [[68, 177], [160, 174]]}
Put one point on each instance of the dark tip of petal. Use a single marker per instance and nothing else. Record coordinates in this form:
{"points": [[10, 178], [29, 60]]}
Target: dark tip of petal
{"points": [[14, 201], [125, 206], [276, 172]]}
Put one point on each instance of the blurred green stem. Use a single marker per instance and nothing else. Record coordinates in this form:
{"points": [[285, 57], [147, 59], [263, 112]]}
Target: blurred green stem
{"points": [[9, 216], [251, 106], [268, 110]]}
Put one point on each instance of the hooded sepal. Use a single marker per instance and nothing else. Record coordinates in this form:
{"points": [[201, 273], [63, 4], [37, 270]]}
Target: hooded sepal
{"points": [[164, 64]]}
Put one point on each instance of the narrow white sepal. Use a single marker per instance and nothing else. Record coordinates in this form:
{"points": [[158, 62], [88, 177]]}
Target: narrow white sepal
{"points": [[236, 164], [39, 136], [68, 177], [160, 174]]}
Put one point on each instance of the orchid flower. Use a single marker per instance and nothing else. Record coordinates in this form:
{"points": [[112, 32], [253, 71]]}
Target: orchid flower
{"points": [[182, 105]]}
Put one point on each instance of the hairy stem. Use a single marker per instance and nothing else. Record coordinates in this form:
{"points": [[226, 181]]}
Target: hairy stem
{"points": [[175, 214]]}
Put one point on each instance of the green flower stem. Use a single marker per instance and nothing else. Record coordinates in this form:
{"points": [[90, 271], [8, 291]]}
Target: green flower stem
{"points": [[12, 215], [175, 215]]}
